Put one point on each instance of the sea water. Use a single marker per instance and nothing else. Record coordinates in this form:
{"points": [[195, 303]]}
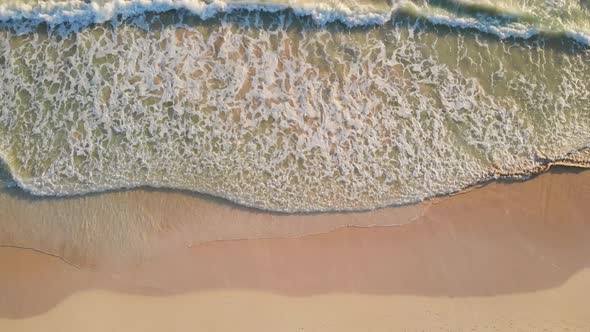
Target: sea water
{"points": [[291, 105]]}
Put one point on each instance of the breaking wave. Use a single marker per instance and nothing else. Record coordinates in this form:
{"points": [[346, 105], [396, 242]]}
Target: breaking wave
{"points": [[502, 18]]}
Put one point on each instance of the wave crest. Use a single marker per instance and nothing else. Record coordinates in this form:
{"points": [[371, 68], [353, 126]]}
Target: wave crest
{"points": [[491, 19]]}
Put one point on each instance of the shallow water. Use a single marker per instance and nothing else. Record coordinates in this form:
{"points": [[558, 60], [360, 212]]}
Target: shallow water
{"points": [[284, 111]]}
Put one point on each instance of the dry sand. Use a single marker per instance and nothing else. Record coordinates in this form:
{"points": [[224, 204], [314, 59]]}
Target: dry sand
{"points": [[503, 257]]}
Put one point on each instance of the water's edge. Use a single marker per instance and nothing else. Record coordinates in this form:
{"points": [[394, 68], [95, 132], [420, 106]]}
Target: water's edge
{"points": [[579, 160], [534, 164]]}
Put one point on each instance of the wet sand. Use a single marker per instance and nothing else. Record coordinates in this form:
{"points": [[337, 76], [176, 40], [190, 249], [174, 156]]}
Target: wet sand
{"points": [[506, 256]]}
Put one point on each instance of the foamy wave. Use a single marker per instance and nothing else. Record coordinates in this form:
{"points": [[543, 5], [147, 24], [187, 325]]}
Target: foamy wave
{"points": [[471, 23], [579, 37], [503, 32], [79, 14], [267, 118]]}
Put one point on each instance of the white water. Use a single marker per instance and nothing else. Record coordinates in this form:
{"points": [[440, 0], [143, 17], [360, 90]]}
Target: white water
{"points": [[508, 19], [276, 112]]}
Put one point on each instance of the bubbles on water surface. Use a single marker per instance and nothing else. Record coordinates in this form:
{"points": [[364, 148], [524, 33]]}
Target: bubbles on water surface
{"points": [[273, 111]]}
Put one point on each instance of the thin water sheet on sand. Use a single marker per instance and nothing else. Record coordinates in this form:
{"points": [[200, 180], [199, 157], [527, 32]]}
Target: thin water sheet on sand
{"points": [[505, 256]]}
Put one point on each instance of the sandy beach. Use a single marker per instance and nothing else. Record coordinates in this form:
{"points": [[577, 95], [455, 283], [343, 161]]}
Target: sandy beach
{"points": [[506, 256], [288, 166]]}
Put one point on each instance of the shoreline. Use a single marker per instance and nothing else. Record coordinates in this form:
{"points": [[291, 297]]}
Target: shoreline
{"points": [[404, 213], [494, 246], [574, 161]]}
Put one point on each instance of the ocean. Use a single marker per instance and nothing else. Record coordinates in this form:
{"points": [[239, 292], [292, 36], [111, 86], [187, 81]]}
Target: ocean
{"points": [[291, 106]]}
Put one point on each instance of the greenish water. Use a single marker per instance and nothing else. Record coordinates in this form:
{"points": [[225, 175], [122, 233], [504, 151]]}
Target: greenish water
{"points": [[274, 111]]}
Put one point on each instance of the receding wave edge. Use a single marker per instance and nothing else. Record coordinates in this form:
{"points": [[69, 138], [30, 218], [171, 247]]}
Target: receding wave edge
{"points": [[576, 159]]}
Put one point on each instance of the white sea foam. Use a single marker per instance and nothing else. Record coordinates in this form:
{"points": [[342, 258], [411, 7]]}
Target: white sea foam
{"points": [[289, 118], [487, 27], [79, 14]]}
